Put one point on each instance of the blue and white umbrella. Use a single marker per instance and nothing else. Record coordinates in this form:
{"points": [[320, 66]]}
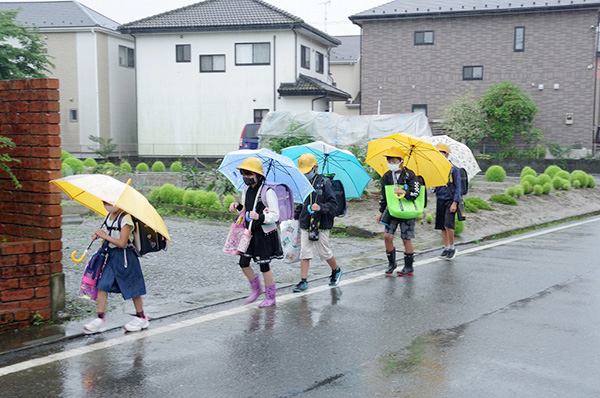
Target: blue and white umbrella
{"points": [[277, 168], [332, 160]]}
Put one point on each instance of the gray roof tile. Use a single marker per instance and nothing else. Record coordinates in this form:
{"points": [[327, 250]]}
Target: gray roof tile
{"points": [[348, 51], [411, 8], [308, 86], [58, 14]]}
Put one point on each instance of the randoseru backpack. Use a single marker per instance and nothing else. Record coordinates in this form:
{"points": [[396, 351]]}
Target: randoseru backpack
{"points": [[340, 195], [464, 181], [285, 197], [145, 239]]}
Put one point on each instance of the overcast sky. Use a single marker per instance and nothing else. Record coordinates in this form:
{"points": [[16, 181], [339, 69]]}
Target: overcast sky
{"points": [[312, 11]]}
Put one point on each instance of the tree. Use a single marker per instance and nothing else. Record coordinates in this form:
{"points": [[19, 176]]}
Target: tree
{"points": [[105, 146], [25, 57], [509, 111], [465, 120]]}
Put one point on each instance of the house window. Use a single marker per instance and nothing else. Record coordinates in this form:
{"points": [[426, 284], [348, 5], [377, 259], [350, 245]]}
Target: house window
{"points": [[126, 56], [212, 63], [420, 108], [183, 53], [519, 38], [305, 57], [253, 53], [72, 115], [259, 114], [423, 37], [320, 66], [472, 72]]}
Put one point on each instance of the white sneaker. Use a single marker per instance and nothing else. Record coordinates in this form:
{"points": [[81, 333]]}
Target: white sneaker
{"points": [[98, 325], [137, 324]]}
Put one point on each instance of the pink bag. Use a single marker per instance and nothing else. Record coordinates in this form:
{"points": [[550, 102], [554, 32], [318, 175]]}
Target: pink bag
{"points": [[233, 238]]}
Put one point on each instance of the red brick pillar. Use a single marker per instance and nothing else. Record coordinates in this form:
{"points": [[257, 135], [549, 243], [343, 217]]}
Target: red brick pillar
{"points": [[31, 278]]}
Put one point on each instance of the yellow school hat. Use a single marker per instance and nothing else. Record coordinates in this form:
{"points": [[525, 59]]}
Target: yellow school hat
{"points": [[442, 147], [395, 152], [252, 164], [306, 162]]}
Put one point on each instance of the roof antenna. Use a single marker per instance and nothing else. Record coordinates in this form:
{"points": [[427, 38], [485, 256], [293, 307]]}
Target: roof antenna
{"points": [[326, 3]]}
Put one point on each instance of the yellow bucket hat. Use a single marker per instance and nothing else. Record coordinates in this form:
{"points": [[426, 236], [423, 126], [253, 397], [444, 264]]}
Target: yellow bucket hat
{"points": [[252, 164], [306, 162], [395, 152], [441, 147]]}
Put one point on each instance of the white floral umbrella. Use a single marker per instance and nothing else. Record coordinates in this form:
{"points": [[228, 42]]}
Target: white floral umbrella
{"points": [[460, 154]]}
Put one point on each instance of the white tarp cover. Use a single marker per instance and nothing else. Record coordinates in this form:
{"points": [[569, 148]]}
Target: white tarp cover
{"points": [[341, 130]]}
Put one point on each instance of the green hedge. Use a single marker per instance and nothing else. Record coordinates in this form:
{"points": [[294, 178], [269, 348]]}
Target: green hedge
{"points": [[495, 174]]}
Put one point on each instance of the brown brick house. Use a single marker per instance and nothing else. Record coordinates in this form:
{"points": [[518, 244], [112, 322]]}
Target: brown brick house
{"points": [[419, 55]]}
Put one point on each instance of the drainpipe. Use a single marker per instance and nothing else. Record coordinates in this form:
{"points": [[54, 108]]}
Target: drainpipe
{"points": [[315, 99], [595, 102], [295, 54], [274, 73], [96, 83]]}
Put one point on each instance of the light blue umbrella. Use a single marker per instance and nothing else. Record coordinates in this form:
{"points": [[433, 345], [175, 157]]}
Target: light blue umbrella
{"points": [[332, 160], [277, 168]]}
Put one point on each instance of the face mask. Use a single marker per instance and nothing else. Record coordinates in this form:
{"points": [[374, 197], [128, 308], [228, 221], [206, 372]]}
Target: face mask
{"points": [[394, 166], [310, 175], [111, 209], [249, 180]]}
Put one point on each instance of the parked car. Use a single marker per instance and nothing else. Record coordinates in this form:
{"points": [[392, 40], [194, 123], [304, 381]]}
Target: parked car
{"points": [[249, 137]]}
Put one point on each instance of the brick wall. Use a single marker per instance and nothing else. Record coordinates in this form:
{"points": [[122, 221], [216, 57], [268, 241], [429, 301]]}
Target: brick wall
{"points": [[559, 49], [31, 279]]}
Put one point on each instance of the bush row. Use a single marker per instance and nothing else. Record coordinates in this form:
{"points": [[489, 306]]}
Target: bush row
{"points": [[552, 178], [71, 165], [170, 194]]}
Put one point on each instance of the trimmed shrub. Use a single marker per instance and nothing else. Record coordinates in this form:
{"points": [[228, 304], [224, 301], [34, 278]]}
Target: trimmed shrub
{"points": [[565, 175], [503, 199], [552, 170], [429, 218], [576, 184], [528, 178], [495, 174], [547, 188], [542, 179], [208, 200], [189, 198], [126, 167], [459, 226], [178, 196], [168, 192], [581, 177], [65, 170], [227, 200], [557, 182], [109, 165], [538, 190], [75, 164], [158, 167], [591, 181], [566, 186], [142, 167], [510, 191], [90, 162], [477, 202], [64, 155], [527, 187], [527, 171], [154, 195], [176, 167], [519, 191]]}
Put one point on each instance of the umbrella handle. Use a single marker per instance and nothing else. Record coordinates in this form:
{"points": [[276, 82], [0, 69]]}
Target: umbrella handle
{"points": [[80, 259], [398, 196]]}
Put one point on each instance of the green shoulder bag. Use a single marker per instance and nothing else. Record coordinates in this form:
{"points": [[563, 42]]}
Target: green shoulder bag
{"points": [[404, 208]]}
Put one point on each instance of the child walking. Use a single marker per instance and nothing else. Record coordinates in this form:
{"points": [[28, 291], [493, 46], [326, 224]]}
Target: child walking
{"points": [[122, 272], [407, 184], [264, 245]]}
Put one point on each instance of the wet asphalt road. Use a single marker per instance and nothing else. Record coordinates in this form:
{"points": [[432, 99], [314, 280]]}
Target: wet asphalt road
{"points": [[517, 317]]}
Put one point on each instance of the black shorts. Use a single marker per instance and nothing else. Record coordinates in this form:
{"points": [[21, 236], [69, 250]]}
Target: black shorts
{"points": [[443, 218]]}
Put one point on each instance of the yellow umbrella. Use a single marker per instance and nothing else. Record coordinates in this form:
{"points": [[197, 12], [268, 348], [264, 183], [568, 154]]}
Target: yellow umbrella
{"points": [[92, 189], [421, 157]]}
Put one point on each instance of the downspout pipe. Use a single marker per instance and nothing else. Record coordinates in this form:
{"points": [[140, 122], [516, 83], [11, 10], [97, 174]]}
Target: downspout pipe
{"points": [[315, 99]]}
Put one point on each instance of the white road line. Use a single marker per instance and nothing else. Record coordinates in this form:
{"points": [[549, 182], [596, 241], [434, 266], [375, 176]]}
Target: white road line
{"points": [[239, 310]]}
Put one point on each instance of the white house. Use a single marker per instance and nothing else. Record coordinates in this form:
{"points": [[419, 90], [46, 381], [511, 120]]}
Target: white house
{"points": [[344, 63], [205, 70], [94, 63]]}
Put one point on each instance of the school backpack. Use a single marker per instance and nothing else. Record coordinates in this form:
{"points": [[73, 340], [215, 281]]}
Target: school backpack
{"points": [[464, 181], [340, 196], [285, 197], [145, 239]]}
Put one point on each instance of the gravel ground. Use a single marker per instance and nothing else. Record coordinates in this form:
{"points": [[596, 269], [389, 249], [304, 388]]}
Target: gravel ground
{"points": [[194, 271]]}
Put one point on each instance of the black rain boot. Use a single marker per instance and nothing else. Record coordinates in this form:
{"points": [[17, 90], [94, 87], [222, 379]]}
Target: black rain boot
{"points": [[408, 265], [392, 262]]}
